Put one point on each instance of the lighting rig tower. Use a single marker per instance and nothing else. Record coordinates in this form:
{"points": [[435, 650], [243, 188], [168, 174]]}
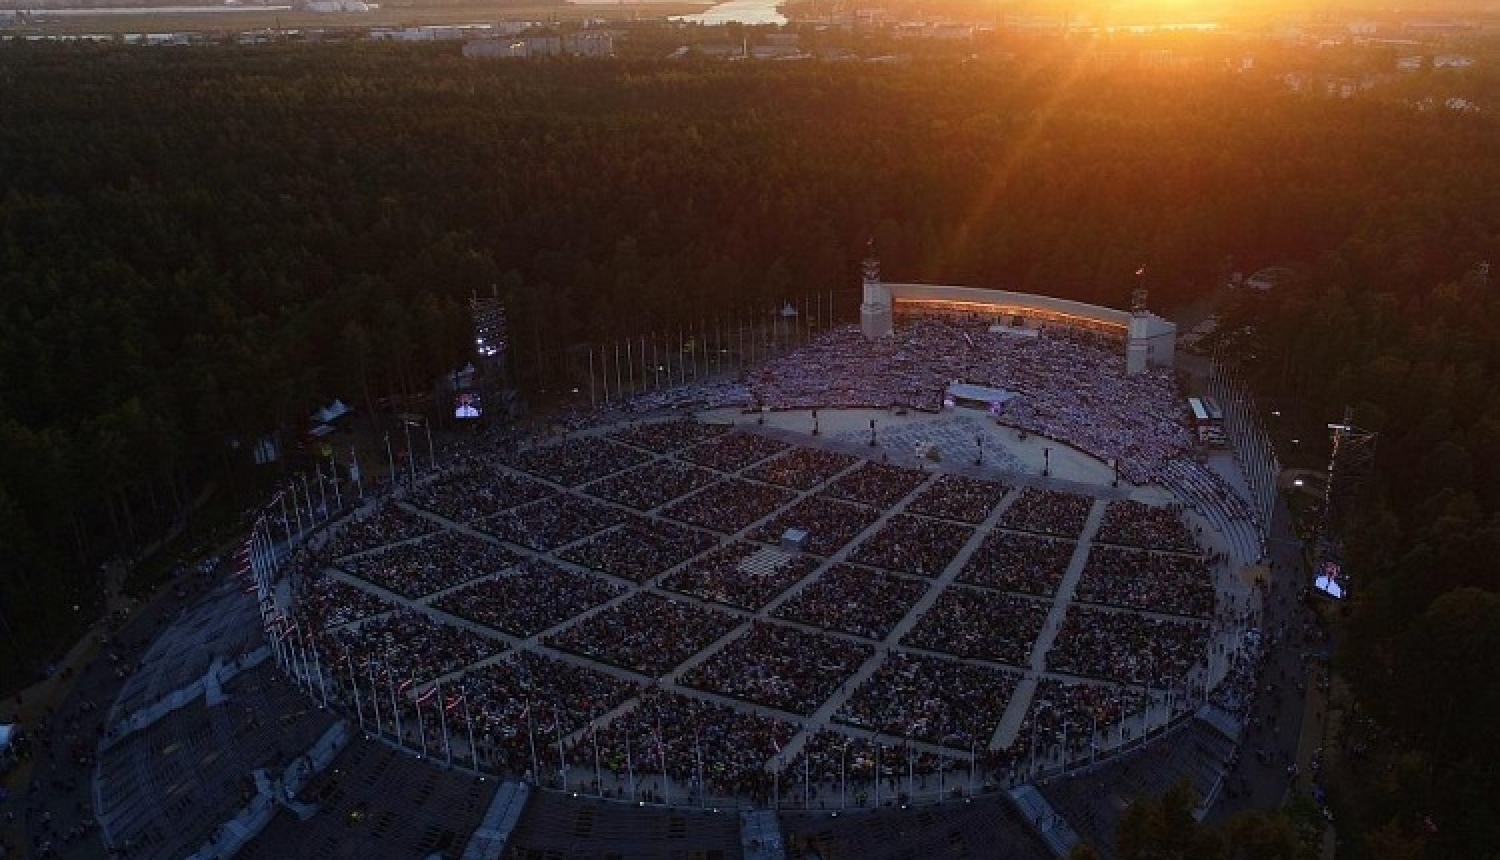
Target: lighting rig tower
{"points": [[1350, 462]]}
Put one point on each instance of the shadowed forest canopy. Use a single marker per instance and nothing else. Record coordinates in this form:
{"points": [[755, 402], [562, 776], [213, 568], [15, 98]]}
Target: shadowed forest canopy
{"points": [[199, 245]]}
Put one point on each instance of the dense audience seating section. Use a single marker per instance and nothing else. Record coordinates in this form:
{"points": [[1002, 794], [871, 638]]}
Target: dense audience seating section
{"points": [[732, 452], [720, 576], [167, 789], [1071, 386], [1075, 709], [832, 761], [933, 700], [1155, 581], [912, 544], [783, 667], [374, 801], [664, 437], [732, 746], [474, 489], [830, 524], [408, 645], [878, 484], [802, 468], [647, 633], [1127, 647], [1161, 527], [387, 524], [1047, 512], [576, 460], [1022, 563], [552, 522], [960, 498], [535, 596], [324, 602], [985, 625], [729, 506], [854, 600], [430, 564], [652, 485], [526, 699], [640, 548]]}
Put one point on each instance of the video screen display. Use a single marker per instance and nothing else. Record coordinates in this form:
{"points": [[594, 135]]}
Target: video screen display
{"points": [[466, 404], [1330, 580]]}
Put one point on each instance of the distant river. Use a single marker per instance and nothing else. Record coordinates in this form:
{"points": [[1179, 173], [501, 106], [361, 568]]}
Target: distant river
{"points": [[150, 10], [737, 12]]}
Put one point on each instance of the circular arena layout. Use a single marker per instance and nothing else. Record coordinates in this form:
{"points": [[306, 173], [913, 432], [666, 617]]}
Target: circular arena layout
{"points": [[821, 589]]}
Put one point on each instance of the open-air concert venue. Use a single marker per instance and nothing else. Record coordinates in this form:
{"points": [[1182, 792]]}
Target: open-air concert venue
{"points": [[827, 610]]}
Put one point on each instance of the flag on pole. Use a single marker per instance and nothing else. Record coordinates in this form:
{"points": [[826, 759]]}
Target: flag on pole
{"points": [[431, 691], [454, 702]]}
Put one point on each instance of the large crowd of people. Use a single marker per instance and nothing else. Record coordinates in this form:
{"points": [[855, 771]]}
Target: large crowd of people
{"points": [[878, 484], [325, 602], [536, 596], [646, 633], [1047, 512], [783, 667], [733, 452], [576, 459], [377, 528], [1071, 387], [475, 491], [912, 544], [664, 437], [830, 524], [801, 468], [854, 600], [639, 549], [407, 645], [938, 701], [1127, 647], [1073, 712], [730, 505], [959, 497], [1023, 563], [986, 625], [719, 576], [430, 564], [552, 522], [535, 713], [1131, 523], [684, 737], [1156, 581], [652, 485]]}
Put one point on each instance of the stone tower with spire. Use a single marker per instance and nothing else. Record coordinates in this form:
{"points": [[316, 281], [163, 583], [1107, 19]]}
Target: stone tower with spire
{"points": [[875, 311]]}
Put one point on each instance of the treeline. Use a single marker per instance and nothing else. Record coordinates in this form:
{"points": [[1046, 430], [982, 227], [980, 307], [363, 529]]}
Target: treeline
{"points": [[198, 247]]}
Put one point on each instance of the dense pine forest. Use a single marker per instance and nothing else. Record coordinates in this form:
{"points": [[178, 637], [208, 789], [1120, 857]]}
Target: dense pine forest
{"points": [[200, 246]]}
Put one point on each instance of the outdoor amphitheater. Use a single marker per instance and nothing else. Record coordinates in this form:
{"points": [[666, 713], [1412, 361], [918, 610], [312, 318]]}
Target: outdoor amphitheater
{"points": [[817, 609]]}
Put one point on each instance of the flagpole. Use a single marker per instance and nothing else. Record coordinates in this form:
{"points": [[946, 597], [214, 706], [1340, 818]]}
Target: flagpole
{"points": [[876, 741], [698, 752], [661, 753], [333, 478], [598, 771], [390, 680], [375, 698], [469, 721], [359, 709], [629, 766], [443, 722], [359, 478], [421, 726], [843, 775], [806, 780], [536, 765], [562, 761], [318, 667]]}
